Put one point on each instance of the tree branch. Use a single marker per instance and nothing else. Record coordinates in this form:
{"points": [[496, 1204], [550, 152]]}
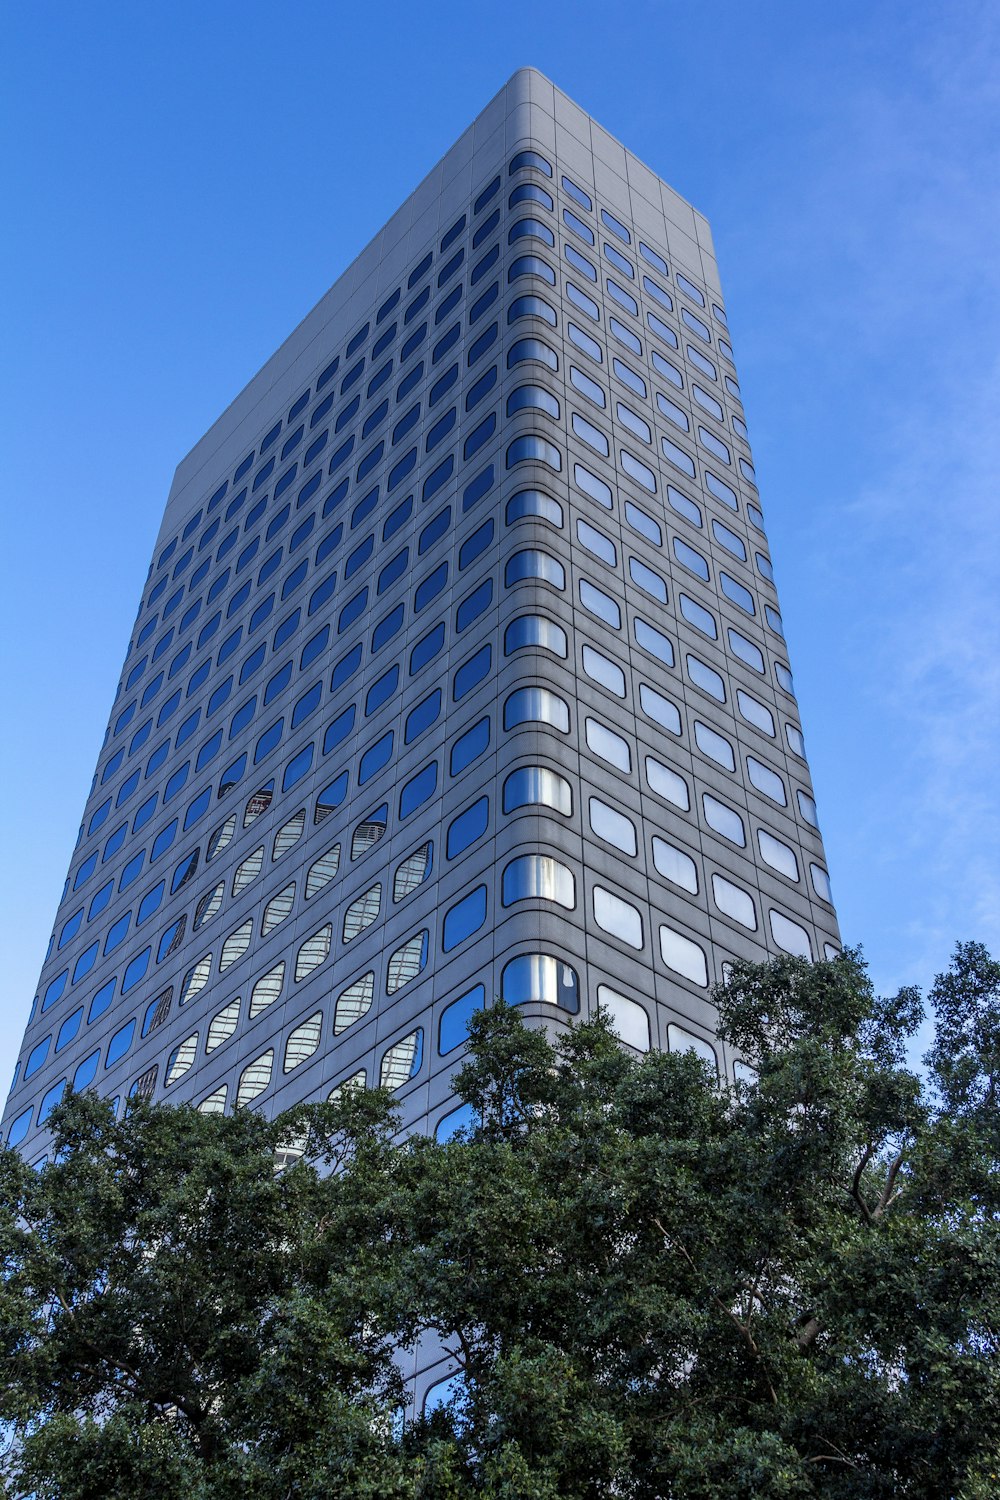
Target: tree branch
{"points": [[743, 1328], [888, 1196], [867, 1155]]}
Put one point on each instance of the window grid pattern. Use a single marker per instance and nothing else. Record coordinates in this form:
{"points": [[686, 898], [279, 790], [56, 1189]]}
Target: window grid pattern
{"points": [[527, 468]]}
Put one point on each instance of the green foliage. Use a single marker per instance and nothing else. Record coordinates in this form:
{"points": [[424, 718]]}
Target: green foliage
{"points": [[650, 1286]]}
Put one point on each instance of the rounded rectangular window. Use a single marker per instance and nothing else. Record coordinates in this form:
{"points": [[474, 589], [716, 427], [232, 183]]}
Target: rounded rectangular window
{"points": [[683, 956], [313, 952], [538, 978], [354, 1002], [470, 825], [601, 669], [674, 865], [537, 786], [619, 918], [659, 709], [538, 877], [724, 820], [608, 745], [536, 705], [680, 1040], [629, 1020], [789, 936], [406, 962], [402, 1061], [612, 826], [734, 902], [463, 919]]}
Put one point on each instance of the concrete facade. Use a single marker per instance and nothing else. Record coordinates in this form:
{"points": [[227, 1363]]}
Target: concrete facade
{"points": [[476, 566]]}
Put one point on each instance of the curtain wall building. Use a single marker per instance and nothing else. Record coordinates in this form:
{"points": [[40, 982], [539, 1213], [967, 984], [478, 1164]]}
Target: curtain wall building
{"points": [[458, 671]]}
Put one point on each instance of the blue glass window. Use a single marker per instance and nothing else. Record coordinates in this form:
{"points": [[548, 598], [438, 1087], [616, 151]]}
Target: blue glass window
{"points": [[400, 470], [120, 1043], [101, 1000], [86, 1071], [307, 704], [468, 826], [477, 488], [163, 840], [37, 1056], [297, 767], [118, 930], [357, 340], [464, 918], [339, 729], [327, 374], [314, 647], [331, 797], [114, 842], [529, 159], [418, 790], [474, 605], [423, 716], [420, 301], [387, 627], [85, 962], [418, 271], [67, 1031], [268, 740], [482, 343], [472, 672], [387, 306], [359, 556], [397, 518], [375, 757], [329, 544], [345, 668], [103, 896], [233, 774], [219, 697], [50, 1100], [442, 385], [252, 663], [321, 594], [393, 569], [176, 781], [301, 531], [434, 529], [149, 903], [426, 649], [382, 689], [489, 260], [413, 342], [74, 923], [470, 745], [486, 228], [430, 587], [260, 614], [54, 989], [488, 192], [241, 718], [197, 807], [438, 477], [453, 1028], [291, 583]]}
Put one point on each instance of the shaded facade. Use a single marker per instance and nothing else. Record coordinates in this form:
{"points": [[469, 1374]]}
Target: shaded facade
{"points": [[458, 671]]}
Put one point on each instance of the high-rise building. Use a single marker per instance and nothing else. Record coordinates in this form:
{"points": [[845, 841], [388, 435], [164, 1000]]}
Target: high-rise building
{"points": [[458, 671]]}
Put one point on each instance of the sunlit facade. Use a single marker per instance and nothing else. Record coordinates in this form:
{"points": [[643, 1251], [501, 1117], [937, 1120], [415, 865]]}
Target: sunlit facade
{"points": [[458, 671]]}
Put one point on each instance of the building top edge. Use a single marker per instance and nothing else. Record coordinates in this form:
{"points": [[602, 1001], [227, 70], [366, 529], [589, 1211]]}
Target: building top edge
{"points": [[527, 109]]}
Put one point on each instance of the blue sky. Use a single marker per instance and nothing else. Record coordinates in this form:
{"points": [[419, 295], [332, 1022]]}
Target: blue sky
{"points": [[183, 182]]}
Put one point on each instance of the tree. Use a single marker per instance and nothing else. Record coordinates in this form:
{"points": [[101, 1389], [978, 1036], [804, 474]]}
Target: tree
{"points": [[649, 1285]]}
